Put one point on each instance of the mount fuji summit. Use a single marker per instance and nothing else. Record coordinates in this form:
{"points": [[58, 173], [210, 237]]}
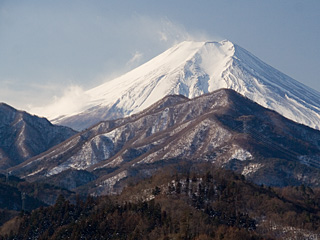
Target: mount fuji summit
{"points": [[192, 69]]}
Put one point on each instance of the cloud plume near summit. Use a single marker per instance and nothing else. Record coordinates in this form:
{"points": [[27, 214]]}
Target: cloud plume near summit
{"points": [[72, 99]]}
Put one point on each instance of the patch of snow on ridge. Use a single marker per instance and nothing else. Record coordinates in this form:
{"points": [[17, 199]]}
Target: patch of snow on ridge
{"points": [[56, 170], [241, 155], [110, 182], [161, 123], [111, 135], [35, 172], [107, 186], [251, 168]]}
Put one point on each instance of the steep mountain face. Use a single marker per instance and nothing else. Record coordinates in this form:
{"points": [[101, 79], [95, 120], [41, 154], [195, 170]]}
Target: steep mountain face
{"points": [[192, 69], [23, 136], [222, 127]]}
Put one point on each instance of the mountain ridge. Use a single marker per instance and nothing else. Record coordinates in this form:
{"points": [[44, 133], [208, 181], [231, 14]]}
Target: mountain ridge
{"points": [[221, 127], [23, 135]]}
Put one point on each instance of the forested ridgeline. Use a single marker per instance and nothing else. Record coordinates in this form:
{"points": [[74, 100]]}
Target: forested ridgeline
{"points": [[214, 204]]}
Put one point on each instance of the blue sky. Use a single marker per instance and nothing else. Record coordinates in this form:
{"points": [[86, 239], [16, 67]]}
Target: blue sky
{"points": [[49, 47]]}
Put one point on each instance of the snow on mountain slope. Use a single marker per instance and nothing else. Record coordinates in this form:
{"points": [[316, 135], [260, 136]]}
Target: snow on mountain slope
{"points": [[221, 127], [192, 69]]}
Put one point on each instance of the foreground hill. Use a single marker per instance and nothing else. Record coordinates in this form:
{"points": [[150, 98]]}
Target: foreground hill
{"points": [[222, 127], [192, 69], [18, 195], [23, 136], [13, 190], [199, 202]]}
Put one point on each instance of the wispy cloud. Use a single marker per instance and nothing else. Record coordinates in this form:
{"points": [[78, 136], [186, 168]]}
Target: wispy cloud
{"points": [[136, 59], [162, 31], [73, 100], [172, 32]]}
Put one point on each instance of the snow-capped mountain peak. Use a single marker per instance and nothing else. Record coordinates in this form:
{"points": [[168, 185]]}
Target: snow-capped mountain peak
{"points": [[192, 69]]}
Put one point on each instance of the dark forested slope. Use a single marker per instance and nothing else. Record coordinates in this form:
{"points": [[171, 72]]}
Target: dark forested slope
{"points": [[201, 203]]}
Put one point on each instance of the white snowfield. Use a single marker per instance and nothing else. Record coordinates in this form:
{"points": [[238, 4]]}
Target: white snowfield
{"points": [[192, 69]]}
